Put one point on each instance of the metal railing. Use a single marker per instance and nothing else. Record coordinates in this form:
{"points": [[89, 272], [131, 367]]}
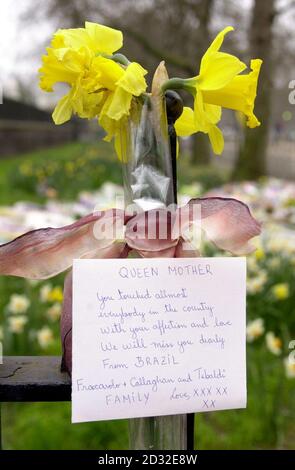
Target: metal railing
{"points": [[32, 379]]}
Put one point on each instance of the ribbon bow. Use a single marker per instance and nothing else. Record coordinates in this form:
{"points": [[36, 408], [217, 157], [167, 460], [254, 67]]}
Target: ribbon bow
{"points": [[165, 232]]}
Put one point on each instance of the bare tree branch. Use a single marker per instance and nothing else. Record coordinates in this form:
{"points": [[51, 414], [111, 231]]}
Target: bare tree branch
{"points": [[285, 9], [158, 53]]}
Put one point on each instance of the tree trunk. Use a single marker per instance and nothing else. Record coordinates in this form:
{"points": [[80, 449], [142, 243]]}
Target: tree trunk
{"points": [[200, 146], [251, 162], [200, 149]]}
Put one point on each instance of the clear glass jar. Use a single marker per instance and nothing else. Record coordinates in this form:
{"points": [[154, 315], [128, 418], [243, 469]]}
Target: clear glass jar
{"points": [[148, 184], [146, 156]]}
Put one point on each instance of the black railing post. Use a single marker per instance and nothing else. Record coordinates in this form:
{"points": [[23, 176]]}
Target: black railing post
{"points": [[174, 106]]}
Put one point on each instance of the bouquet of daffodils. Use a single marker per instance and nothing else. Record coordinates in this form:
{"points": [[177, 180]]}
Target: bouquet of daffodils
{"points": [[105, 85]]}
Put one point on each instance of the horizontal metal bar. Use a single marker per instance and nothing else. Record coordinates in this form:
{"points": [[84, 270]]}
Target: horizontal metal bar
{"points": [[33, 378]]}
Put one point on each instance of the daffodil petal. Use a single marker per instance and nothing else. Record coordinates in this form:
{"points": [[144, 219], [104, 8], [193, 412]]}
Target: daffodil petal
{"points": [[185, 125], [54, 70], [215, 45], [105, 39], [109, 125], [219, 71], [72, 37], [118, 104], [98, 38], [213, 112], [122, 142], [133, 80], [216, 139], [63, 110], [109, 72], [200, 116]]}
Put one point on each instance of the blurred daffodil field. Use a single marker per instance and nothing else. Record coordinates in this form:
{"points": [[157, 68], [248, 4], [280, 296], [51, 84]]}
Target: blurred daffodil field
{"points": [[36, 191]]}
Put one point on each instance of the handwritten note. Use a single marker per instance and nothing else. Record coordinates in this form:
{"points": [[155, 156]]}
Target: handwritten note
{"points": [[157, 337]]}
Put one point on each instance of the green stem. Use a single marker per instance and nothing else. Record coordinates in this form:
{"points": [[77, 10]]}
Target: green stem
{"points": [[179, 84], [120, 58]]}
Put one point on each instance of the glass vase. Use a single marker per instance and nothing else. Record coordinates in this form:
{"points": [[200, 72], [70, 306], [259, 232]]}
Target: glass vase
{"points": [[147, 150]]}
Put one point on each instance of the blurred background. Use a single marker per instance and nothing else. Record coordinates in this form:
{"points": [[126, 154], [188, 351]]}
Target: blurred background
{"points": [[50, 175]]}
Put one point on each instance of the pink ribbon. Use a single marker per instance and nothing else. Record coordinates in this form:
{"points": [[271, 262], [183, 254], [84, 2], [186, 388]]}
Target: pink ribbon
{"points": [[44, 253]]}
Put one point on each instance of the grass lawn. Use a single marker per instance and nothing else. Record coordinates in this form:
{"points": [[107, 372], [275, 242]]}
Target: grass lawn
{"points": [[75, 167], [68, 169]]}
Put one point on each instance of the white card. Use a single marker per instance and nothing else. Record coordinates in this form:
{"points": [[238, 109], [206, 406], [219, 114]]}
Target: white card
{"points": [[157, 337]]}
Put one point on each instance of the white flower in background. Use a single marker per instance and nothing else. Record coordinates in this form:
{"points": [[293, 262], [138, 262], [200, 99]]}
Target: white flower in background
{"points": [[45, 293], [255, 329], [252, 264], [289, 247], [256, 284], [1, 333], [40, 218], [54, 312], [281, 245], [289, 368], [44, 337], [18, 304], [273, 343], [17, 324], [277, 245]]}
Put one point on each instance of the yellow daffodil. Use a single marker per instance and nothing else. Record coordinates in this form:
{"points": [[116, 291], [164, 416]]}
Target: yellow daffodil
{"points": [[219, 84], [216, 71], [72, 51], [103, 84], [56, 294], [259, 254], [281, 291], [99, 86]]}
